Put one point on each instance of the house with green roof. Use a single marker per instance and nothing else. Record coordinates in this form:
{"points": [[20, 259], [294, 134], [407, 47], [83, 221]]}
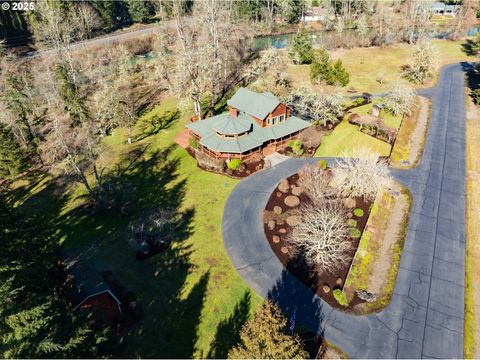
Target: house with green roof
{"points": [[255, 123]]}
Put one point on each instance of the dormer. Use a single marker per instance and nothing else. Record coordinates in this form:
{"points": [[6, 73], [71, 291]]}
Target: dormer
{"points": [[264, 108]]}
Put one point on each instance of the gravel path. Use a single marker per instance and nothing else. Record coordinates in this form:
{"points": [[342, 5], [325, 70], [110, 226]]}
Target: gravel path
{"points": [[426, 315]]}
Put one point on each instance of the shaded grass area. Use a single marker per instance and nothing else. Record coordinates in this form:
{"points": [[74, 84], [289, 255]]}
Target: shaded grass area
{"points": [[372, 249], [403, 154], [347, 137], [192, 298], [472, 260], [367, 66]]}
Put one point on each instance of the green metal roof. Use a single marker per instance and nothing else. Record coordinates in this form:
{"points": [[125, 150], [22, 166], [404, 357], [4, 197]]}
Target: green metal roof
{"points": [[256, 137], [252, 103], [229, 126]]}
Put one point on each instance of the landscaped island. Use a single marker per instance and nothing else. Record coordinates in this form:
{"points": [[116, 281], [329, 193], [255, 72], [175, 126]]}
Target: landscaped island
{"points": [[328, 223]]}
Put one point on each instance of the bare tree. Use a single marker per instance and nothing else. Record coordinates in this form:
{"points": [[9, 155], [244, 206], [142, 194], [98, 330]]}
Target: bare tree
{"points": [[465, 18], [319, 108], [322, 236], [360, 174], [423, 63], [87, 20], [76, 149], [315, 182], [399, 99]]}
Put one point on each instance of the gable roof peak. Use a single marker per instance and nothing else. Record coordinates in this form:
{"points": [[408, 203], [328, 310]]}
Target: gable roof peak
{"points": [[253, 103]]}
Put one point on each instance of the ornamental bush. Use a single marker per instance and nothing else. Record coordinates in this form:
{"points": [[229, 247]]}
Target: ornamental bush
{"points": [[234, 164], [358, 212], [322, 164], [297, 147], [193, 143], [340, 297], [352, 222], [355, 233]]}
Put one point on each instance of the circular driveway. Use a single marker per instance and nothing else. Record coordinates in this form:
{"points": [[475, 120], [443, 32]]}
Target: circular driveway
{"points": [[426, 314]]}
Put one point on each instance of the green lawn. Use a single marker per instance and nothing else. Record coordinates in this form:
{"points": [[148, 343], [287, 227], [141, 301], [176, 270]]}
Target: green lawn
{"points": [[193, 300], [345, 138], [367, 65], [389, 119]]}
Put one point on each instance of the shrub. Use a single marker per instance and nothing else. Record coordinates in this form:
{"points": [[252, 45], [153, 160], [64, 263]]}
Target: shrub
{"points": [[476, 96], [297, 147], [352, 222], [358, 212], [193, 142], [322, 164], [340, 297], [234, 164], [355, 233]]}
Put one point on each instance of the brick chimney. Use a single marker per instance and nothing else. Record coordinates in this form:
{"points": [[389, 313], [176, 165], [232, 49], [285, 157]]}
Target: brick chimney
{"points": [[233, 112]]}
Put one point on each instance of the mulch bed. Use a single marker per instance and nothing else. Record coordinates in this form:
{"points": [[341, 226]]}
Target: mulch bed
{"points": [[249, 167], [296, 265]]}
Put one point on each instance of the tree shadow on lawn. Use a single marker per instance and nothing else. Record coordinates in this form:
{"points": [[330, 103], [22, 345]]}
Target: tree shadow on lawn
{"points": [[155, 124], [470, 48], [169, 287], [228, 330]]}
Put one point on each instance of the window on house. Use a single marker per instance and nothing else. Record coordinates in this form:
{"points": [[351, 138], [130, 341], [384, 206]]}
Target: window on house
{"points": [[274, 120], [268, 121], [281, 118]]}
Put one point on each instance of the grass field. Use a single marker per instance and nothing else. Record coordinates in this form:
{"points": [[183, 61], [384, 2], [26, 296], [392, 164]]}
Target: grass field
{"points": [[472, 261], [366, 65], [345, 138], [193, 301]]}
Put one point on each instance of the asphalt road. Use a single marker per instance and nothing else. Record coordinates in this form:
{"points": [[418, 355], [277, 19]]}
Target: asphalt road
{"points": [[425, 317], [102, 40]]}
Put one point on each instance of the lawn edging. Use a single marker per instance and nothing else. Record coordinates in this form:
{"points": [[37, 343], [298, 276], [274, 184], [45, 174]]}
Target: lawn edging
{"points": [[360, 273]]}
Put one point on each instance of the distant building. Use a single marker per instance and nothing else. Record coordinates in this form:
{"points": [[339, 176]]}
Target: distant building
{"points": [[254, 122], [85, 289], [441, 8], [312, 14]]}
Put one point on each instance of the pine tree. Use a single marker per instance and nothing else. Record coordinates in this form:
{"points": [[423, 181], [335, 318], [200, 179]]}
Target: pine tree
{"points": [[301, 51], [265, 337], [70, 94], [34, 321], [139, 10], [11, 157], [340, 73]]}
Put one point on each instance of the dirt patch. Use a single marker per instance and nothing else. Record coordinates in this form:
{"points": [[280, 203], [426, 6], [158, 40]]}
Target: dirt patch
{"points": [[408, 147], [278, 227], [374, 269], [387, 239]]}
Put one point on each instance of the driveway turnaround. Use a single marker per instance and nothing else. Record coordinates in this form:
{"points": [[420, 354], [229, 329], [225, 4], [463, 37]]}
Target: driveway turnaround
{"points": [[426, 314]]}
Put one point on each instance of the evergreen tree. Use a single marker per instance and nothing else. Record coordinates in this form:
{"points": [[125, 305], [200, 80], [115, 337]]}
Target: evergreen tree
{"points": [[34, 321], [323, 71], [11, 157], [300, 50], [70, 94], [140, 11], [340, 73], [292, 10], [18, 98], [266, 337], [114, 13]]}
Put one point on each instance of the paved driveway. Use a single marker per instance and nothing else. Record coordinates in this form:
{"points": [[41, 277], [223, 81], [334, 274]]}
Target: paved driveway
{"points": [[426, 315]]}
